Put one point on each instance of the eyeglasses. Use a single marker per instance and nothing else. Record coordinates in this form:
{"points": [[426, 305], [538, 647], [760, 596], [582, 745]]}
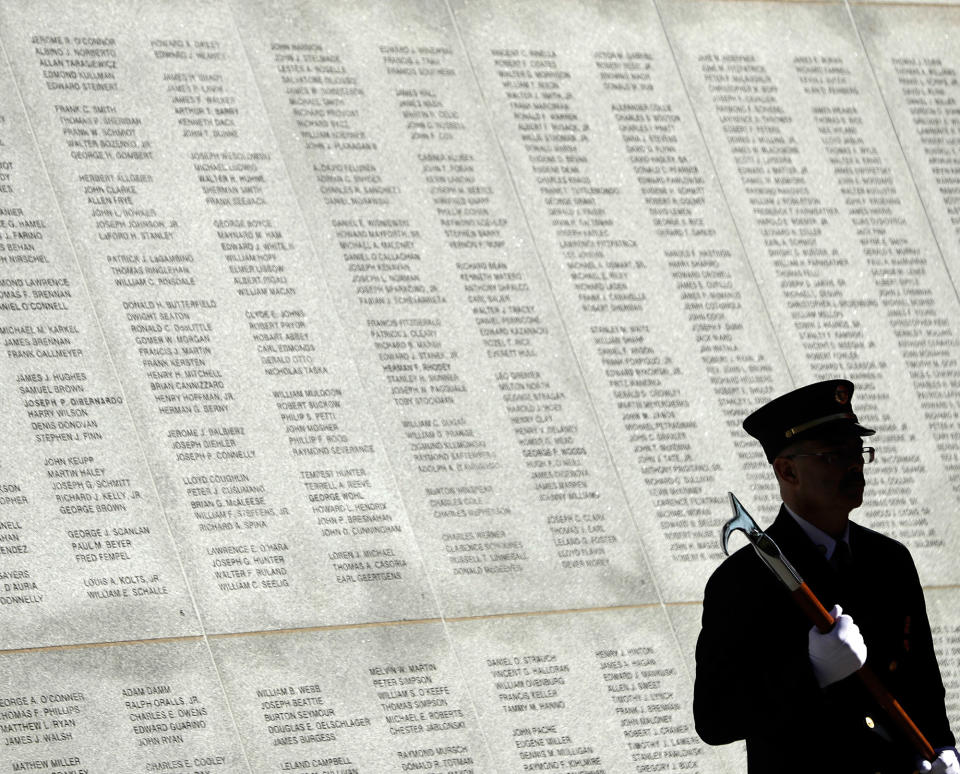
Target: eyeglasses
{"points": [[863, 456]]}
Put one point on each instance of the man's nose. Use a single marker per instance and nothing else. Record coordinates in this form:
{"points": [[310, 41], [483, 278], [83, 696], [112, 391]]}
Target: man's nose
{"points": [[853, 460]]}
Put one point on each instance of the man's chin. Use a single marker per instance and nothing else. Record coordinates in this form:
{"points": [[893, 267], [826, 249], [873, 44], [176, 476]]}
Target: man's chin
{"points": [[854, 497]]}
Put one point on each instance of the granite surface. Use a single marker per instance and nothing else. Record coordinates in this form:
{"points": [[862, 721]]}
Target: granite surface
{"points": [[374, 371]]}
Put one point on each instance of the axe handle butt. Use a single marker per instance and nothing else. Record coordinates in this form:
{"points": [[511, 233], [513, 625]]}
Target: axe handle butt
{"points": [[819, 616]]}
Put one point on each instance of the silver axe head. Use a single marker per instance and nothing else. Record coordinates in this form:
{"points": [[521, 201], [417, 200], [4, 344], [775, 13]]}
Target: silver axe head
{"points": [[741, 520], [762, 543]]}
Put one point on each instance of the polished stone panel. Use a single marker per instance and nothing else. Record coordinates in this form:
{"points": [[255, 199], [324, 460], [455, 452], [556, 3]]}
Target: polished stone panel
{"points": [[838, 239], [913, 54], [380, 698], [142, 707], [453, 322], [942, 608], [257, 428], [685, 621], [374, 371], [85, 552], [607, 690], [650, 275]]}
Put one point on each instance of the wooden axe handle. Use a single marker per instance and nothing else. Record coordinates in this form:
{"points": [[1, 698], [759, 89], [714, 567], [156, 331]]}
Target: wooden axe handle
{"points": [[820, 617]]}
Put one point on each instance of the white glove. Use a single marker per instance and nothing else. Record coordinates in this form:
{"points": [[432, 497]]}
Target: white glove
{"points": [[946, 763], [838, 653]]}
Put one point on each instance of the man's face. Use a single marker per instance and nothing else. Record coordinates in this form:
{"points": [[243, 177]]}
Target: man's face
{"points": [[829, 473]]}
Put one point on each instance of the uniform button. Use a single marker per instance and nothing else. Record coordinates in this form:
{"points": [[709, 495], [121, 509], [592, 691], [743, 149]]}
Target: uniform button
{"points": [[869, 721]]}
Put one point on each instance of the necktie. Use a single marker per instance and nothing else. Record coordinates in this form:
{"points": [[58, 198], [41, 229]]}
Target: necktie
{"points": [[841, 559]]}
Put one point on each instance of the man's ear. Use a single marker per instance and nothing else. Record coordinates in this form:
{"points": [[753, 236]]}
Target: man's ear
{"points": [[785, 469]]}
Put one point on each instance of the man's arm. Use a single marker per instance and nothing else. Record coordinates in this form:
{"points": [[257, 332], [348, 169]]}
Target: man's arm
{"points": [[923, 691], [753, 671]]}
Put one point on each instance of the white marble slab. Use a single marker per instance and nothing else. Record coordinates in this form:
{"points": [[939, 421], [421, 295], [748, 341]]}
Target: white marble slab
{"points": [[482, 404], [607, 690], [134, 708], [85, 552], [632, 226], [942, 610], [685, 621], [912, 52], [267, 459], [371, 699], [839, 241]]}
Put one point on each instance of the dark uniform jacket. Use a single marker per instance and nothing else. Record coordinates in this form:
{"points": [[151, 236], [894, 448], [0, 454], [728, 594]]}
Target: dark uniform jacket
{"points": [[754, 680]]}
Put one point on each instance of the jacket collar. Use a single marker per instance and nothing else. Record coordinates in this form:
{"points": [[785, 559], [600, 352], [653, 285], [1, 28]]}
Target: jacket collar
{"points": [[825, 543], [806, 558]]}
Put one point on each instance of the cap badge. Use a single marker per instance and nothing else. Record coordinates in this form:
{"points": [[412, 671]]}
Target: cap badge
{"points": [[842, 395]]}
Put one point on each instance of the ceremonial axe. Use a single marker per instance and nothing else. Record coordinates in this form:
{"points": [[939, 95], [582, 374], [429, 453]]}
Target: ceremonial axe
{"points": [[771, 556]]}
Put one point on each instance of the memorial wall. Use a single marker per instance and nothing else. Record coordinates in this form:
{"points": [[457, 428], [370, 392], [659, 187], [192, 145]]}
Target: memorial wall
{"points": [[373, 371]]}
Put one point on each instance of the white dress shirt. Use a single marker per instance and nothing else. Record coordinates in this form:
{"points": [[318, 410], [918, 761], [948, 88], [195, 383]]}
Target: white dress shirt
{"points": [[821, 539]]}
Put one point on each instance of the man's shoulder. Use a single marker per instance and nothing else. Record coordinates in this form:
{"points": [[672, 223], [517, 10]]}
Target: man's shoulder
{"points": [[876, 543], [742, 567]]}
